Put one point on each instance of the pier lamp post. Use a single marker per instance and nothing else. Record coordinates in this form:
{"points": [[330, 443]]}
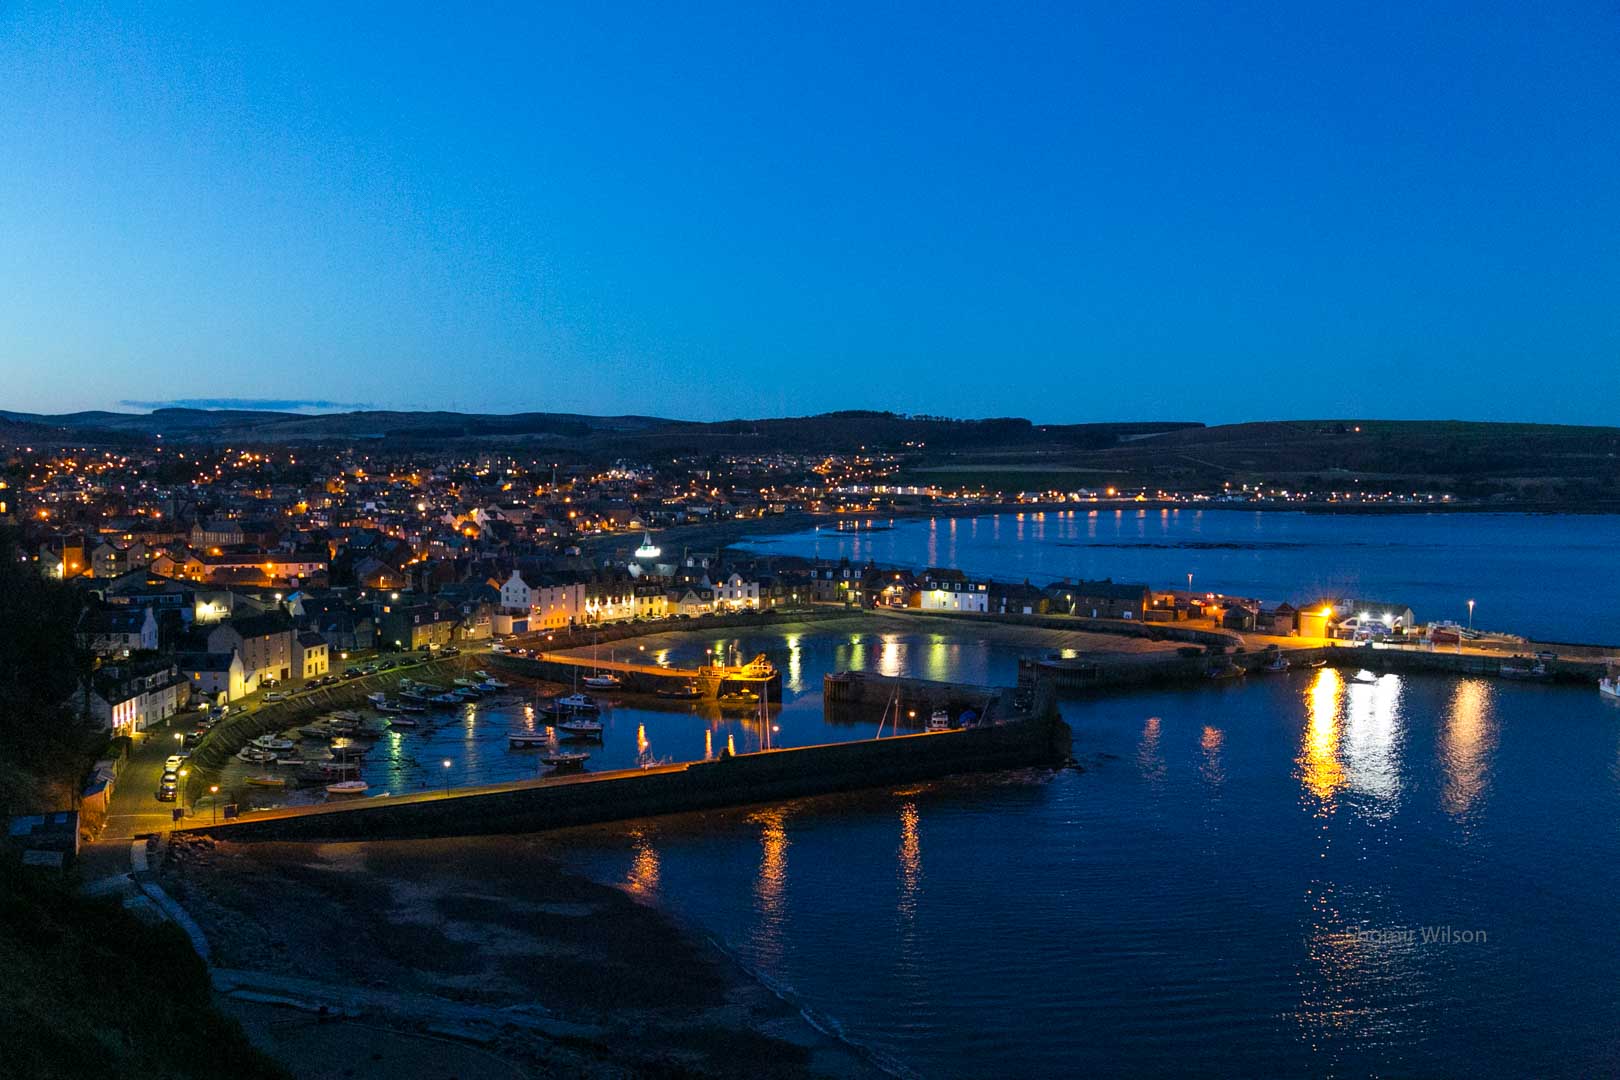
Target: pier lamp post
{"points": [[183, 774], [1470, 615], [447, 776], [213, 802]]}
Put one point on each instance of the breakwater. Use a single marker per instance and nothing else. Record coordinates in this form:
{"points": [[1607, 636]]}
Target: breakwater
{"points": [[538, 805]]}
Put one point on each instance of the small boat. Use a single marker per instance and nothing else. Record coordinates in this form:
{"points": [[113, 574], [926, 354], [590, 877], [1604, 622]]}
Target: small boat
{"points": [[566, 760], [467, 693], [527, 740], [409, 707], [685, 692], [1316, 664], [414, 695], [465, 682], [493, 686], [602, 681], [1521, 668], [346, 716], [404, 722], [576, 703], [291, 762], [448, 699], [267, 781], [1278, 664], [490, 681], [271, 742], [379, 698], [580, 727], [1227, 671], [939, 720], [1609, 687], [742, 696], [248, 753], [388, 708], [347, 787]]}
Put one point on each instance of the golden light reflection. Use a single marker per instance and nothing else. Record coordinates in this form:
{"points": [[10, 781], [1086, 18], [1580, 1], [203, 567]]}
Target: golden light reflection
{"points": [[1318, 761], [708, 745], [910, 857], [1467, 742], [641, 739], [731, 745], [770, 889], [644, 866]]}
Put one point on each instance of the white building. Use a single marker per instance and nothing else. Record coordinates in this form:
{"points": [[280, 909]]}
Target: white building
{"points": [[516, 595]]}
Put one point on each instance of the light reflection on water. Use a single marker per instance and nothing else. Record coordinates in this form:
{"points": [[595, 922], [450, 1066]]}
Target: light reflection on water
{"points": [[1226, 889], [1467, 743]]}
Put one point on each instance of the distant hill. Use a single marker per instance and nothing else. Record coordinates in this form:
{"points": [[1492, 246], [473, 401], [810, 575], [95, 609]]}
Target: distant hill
{"points": [[1473, 459], [575, 432]]}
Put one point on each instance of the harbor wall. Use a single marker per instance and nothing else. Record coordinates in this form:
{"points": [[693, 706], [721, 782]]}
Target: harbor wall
{"points": [[538, 805]]}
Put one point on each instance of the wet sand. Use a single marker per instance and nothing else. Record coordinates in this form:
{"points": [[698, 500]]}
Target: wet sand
{"points": [[545, 972]]}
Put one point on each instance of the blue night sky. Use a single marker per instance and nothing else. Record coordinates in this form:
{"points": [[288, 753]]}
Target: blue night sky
{"points": [[1215, 211]]}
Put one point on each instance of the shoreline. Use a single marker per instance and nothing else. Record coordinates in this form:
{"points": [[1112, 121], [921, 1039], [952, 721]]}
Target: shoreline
{"points": [[536, 964]]}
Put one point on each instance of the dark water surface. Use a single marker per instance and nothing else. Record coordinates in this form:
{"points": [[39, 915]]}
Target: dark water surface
{"points": [[1550, 576], [1302, 875]]}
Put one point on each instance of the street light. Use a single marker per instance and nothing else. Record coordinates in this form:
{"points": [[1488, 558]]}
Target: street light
{"points": [[213, 803], [447, 776], [1470, 616], [183, 774]]}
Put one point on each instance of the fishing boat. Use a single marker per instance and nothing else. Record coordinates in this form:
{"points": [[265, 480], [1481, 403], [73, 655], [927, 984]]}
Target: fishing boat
{"points": [[346, 716], [741, 697], [292, 762], [580, 727], [527, 740], [684, 692], [1365, 676], [1521, 667], [1609, 687], [347, 787], [411, 707], [1224, 671], [1315, 664], [465, 682], [250, 754], [599, 679], [574, 704], [414, 695], [271, 742], [489, 680], [939, 720], [566, 760], [267, 781]]}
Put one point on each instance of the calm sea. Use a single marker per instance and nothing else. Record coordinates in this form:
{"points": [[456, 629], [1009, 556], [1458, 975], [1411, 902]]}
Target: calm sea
{"points": [[1306, 875], [1555, 577]]}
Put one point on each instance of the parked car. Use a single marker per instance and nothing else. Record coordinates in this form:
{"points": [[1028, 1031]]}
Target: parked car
{"points": [[168, 793], [169, 777], [275, 696], [173, 762], [352, 673]]}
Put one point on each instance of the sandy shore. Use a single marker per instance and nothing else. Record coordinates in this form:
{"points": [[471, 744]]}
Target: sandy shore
{"points": [[525, 968]]}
